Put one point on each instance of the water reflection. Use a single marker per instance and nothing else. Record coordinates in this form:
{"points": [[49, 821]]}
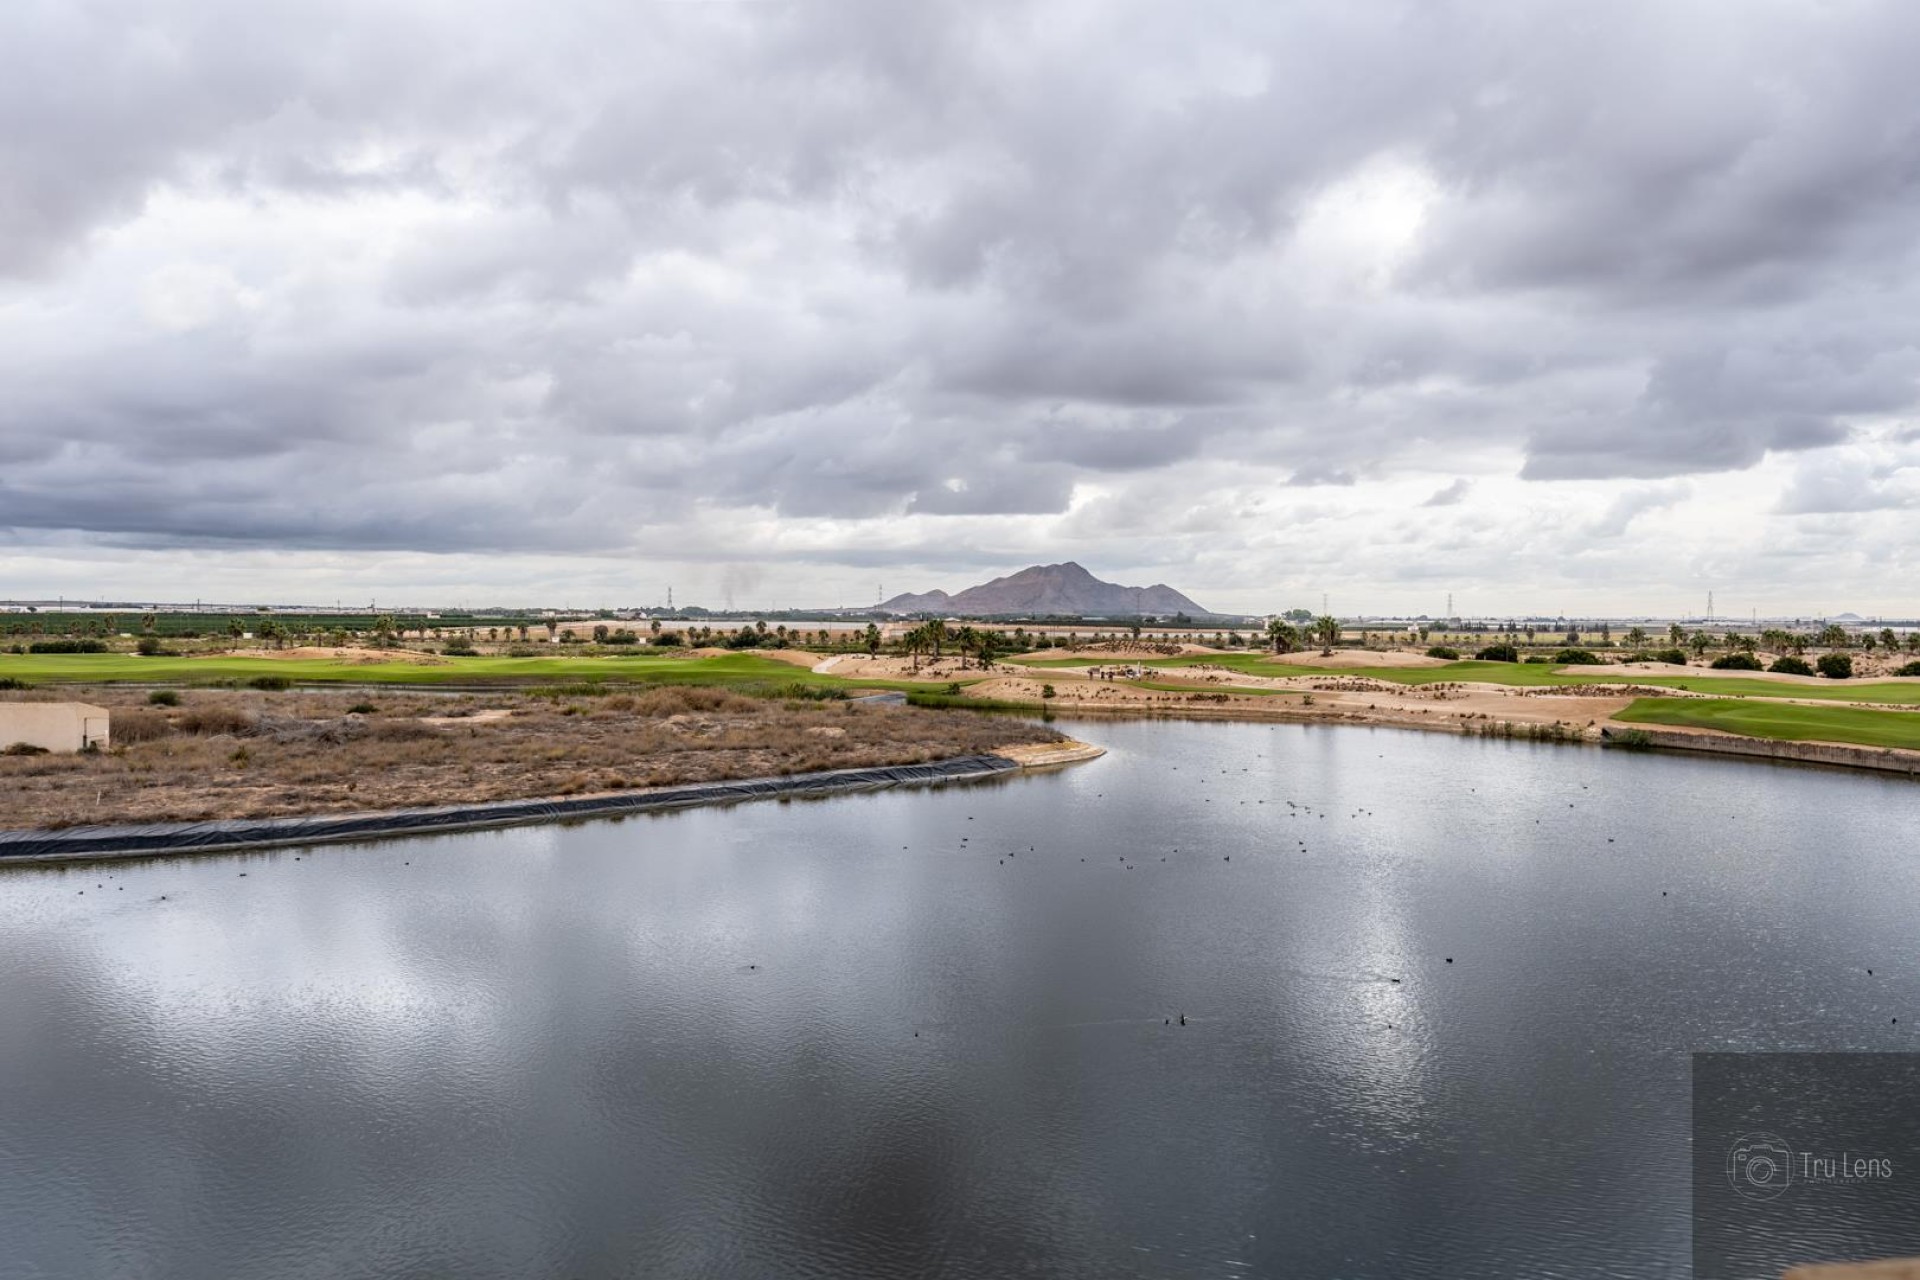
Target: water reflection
{"points": [[935, 1033]]}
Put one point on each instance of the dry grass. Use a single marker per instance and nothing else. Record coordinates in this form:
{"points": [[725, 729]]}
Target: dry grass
{"points": [[229, 755]]}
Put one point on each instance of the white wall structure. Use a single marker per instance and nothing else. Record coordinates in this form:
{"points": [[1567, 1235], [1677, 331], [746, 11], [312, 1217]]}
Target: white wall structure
{"points": [[55, 726]]}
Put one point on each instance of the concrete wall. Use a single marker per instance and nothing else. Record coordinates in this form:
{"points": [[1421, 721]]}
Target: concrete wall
{"points": [[1879, 759], [55, 726]]}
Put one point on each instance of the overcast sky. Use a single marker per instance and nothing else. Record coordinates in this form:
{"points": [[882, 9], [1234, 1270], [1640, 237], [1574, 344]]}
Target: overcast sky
{"points": [[1573, 308]]}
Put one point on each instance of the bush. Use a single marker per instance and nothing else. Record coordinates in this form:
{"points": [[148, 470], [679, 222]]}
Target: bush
{"points": [[1498, 653], [1540, 658], [1792, 666], [1047, 691], [1672, 657], [1736, 662], [138, 725], [1443, 651], [1630, 739], [147, 646], [1638, 655], [1911, 669], [668, 640], [459, 647], [23, 749], [163, 698], [272, 684], [1836, 666], [1577, 658], [215, 719], [362, 709], [67, 646], [10, 683]]}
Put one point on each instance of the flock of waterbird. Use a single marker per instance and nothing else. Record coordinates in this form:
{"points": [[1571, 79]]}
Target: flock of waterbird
{"points": [[1295, 809]]}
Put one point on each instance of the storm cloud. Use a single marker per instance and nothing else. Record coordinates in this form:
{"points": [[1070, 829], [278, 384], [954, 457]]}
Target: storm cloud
{"points": [[1219, 297]]}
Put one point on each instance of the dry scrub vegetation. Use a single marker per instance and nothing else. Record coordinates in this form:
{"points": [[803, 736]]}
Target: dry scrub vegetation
{"points": [[231, 755]]}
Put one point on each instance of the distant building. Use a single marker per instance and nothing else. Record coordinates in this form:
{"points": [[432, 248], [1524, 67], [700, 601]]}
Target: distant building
{"points": [[53, 726]]}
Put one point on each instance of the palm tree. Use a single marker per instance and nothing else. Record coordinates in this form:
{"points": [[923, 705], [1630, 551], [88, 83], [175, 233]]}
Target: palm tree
{"points": [[1327, 630], [1676, 635], [936, 636], [1637, 637], [1283, 635], [873, 639]]}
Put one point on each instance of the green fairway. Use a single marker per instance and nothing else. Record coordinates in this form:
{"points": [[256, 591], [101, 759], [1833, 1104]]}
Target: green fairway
{"points": [[729, 669], [1533, 675], [1784, 720]]}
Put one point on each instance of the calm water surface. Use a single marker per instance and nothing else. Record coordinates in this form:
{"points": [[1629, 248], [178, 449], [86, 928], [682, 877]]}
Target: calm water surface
{"points": [[937, 1032]]}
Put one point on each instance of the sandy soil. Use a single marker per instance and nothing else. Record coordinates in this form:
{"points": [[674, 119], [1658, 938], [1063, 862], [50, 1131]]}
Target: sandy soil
{"points": [[232, 755], [361, 657], [860, 666], [1333, 697]]}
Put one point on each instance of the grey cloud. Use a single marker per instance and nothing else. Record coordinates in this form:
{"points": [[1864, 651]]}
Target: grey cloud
{"points": [[1840, 485], [1308, 477], [1621, 513], [870, 261]]}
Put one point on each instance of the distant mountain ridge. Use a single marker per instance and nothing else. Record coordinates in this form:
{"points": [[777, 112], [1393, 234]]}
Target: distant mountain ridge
{"points": [[1049, 589]]}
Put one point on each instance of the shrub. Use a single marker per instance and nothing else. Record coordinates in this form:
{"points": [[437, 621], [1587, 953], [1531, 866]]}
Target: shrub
{"points": [[163, 698], [1911, 669], [1672, 657], [10, 683], [1792, 666], [362, 709], [1443, 651], [23, 749], [1498, 653], [1836, 666], [215, 719], [1047, 691], [1638, 655], [137, 725], [1736, 662], [459, 647], [67, 646], [147, 646], [1630, 739], [1539, 658], [668, 640], [272, 684], [1577, 658]]}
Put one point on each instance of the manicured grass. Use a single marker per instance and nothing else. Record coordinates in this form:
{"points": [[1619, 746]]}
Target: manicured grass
{"points": [[1792, 722], [730, 669], [1536, 675]]}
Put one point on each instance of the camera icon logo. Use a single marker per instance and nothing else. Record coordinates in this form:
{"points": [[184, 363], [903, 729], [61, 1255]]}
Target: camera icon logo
{"points": [[1760, 1166]]}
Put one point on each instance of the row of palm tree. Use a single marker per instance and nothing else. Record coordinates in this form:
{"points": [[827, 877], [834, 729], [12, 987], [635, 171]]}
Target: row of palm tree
{"points": [[932, 637], [1285, 637]]}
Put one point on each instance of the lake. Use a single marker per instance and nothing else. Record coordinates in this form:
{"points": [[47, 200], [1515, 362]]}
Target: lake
{"points": [[938, 1032]]}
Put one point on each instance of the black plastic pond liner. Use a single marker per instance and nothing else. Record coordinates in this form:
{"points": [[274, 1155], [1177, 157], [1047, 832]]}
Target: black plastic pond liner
{"points": [[247, 833]]}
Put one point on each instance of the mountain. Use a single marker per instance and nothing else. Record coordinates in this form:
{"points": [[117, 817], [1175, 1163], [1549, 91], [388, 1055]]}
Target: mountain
{"points": [[1045, 590]]}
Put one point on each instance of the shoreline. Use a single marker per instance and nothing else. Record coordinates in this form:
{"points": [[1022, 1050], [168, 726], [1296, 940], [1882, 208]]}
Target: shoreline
{"points": [[38, 845]]}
